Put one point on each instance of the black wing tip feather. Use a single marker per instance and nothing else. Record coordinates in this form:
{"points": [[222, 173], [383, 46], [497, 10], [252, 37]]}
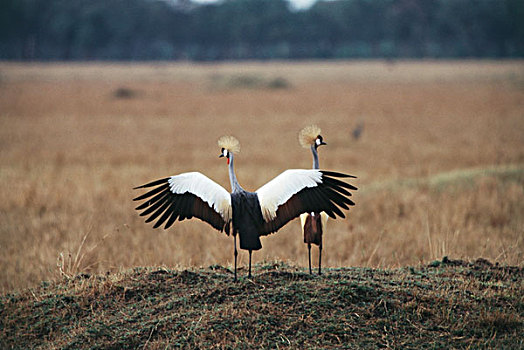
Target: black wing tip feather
{"points": [[336, 174], [330, 176], [152, 183], [333, 182]]}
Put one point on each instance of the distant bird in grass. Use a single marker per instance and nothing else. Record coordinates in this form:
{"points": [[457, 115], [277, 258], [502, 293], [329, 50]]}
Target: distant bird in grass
{"points": [[313, 223], [357, 130], [252, 214]]}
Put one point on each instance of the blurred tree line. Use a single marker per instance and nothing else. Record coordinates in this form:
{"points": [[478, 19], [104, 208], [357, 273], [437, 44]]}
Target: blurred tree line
{"points": [[259, 29]]}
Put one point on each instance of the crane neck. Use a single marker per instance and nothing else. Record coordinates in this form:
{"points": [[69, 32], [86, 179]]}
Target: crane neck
{"points": [[235, 186], [315, 157]]}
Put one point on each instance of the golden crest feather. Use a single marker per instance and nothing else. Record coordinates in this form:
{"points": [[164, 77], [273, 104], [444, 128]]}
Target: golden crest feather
{"points": [[308, 135], [230, 143]]}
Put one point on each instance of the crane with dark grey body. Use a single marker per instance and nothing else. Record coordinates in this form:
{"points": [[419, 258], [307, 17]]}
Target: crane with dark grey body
{"points": [[251, 214], [313, 223]]}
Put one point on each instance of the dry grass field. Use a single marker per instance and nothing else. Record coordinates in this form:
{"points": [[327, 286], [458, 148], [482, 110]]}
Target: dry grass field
{"points": [[440, 163]]}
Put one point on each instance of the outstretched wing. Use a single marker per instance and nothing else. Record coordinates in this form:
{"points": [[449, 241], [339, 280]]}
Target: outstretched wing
{"points": [[300, 191], [184, 196]]}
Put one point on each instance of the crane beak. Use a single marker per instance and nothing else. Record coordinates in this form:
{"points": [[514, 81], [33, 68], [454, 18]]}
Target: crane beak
{"points": [[222, 156], [317, 145]]}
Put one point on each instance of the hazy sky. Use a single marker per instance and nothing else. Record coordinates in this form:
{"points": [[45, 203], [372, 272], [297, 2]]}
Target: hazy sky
{"points": [[297, 3]]}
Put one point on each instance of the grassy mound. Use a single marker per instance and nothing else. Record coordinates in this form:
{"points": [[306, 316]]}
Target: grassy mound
{"points": [[447, 304]]}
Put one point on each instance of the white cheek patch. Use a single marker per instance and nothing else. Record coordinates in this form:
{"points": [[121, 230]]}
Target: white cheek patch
{"points": [[317, 141], [224, 153]]}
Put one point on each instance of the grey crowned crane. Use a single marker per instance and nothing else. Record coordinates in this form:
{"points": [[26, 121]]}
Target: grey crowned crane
{"points": [[252, 214], [313, 223]]}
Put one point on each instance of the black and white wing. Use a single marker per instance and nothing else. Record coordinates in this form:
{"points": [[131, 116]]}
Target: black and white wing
{"points": [[300, 191], [184, 196]]}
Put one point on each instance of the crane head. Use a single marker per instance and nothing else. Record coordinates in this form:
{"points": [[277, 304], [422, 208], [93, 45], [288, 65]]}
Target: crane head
{"points": [[319, 141], [310, 136], [229, 144]]}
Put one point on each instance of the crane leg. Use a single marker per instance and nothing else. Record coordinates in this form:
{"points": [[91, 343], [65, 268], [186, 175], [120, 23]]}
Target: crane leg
{"points": [[249, 275], [236, 254], [320, 259], [309, 255]]}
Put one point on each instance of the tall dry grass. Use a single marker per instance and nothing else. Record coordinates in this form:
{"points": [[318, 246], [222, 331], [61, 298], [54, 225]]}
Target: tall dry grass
{"points": [[440, 163]]}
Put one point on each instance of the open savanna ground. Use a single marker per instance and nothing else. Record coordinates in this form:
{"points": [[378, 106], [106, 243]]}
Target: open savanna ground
{"points": [[440, 162], [447, 304]]}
